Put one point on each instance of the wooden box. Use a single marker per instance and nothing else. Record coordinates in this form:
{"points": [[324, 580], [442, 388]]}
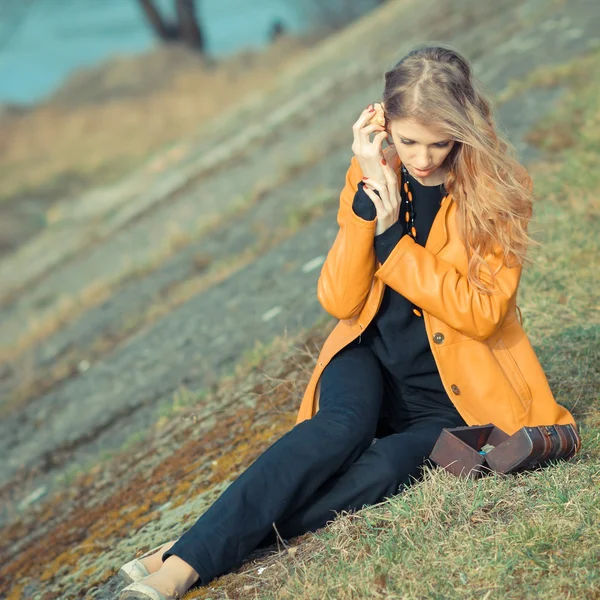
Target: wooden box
{"points": [[457, 449], [479, 449]]}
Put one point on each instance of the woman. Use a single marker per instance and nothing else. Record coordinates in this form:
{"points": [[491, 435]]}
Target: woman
{"points": [[423, 277]]}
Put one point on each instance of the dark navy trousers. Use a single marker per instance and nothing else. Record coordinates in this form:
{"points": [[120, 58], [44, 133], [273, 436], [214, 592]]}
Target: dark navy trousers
{"points": [[321, 466]]}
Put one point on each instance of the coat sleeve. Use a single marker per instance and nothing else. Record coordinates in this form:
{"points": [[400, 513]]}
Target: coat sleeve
{"points": [[436, 286], [347, 274]]}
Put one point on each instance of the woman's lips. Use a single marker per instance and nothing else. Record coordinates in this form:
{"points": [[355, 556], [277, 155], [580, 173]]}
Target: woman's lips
{"points": [[421, 173]]}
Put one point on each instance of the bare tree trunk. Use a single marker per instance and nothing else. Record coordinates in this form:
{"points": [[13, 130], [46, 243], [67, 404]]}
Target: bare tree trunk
{"points": [[189, 30], [186, 29], [165, 31]]}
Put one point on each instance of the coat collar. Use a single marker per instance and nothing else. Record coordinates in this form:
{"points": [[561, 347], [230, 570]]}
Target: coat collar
{"points": [[438, 235]]}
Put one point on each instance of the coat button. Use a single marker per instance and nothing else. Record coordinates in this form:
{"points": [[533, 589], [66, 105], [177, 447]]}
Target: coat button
{"points": [[455, 389], [438, 337]]}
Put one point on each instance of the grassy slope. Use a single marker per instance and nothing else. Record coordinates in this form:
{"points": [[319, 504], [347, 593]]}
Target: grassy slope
{"points": [[515, 537], [522, 536]]}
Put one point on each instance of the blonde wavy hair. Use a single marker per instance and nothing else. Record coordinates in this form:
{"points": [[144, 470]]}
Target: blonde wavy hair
{"points": [[492, 190]]}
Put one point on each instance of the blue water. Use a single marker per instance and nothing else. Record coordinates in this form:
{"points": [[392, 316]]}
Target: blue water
{"points": [[43, 41]]}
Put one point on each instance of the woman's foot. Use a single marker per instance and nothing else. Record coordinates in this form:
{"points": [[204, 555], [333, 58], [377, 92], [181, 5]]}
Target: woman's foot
{"points": [[173, 579], [154, 562]]}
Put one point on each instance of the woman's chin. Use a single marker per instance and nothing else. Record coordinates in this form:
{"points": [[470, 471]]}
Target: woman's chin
{"points": [[432, 177]]}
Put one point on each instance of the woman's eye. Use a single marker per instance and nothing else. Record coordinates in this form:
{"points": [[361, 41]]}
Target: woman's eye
{"points": [[439, 145]]}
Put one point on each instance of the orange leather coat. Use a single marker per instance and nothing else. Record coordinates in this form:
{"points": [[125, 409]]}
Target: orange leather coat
{"points": [[487, 364]]}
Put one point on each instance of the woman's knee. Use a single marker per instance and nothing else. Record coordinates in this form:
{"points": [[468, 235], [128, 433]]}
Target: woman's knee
{"points": [[346, 425], [351, 392]]}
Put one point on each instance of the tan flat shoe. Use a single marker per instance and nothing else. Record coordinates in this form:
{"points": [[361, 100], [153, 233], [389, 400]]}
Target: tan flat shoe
{"points": [[134, 570], [141, 591]]}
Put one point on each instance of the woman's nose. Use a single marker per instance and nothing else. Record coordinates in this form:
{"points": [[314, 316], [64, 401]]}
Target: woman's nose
{"points": [[423, 160]]}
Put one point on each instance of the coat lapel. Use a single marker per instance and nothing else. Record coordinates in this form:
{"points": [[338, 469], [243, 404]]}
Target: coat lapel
{"points": [[438, 235]]}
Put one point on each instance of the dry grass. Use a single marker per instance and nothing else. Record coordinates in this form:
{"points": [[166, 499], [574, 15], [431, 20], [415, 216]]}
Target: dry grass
{"points": [[523, 536], [530, 535]]}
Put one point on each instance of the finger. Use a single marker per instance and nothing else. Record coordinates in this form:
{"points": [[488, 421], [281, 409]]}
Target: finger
{"points": [[373, 183], [381, 187], [379, 206], [392, 183], [392, 158], [391, 155], [364, 117], [390, 175], [383, 193], [370, 129], [378, 139], [360, 137], [386, 168]]}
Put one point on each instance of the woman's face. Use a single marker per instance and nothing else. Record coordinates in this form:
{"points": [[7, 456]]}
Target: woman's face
{"points": [[422, 149]]}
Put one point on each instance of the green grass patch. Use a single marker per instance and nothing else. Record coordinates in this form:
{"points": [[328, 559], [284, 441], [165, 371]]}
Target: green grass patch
{"points": [[529, 535]]}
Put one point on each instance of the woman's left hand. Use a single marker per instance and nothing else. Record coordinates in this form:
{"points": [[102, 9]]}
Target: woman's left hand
{"points": [[387, 203]]}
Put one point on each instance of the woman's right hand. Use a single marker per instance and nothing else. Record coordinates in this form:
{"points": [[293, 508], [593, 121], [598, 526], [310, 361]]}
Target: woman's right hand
{"points": [[369, 154]]}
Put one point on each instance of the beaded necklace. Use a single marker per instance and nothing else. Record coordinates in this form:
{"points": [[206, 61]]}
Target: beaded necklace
{"points": [[409, 215]]}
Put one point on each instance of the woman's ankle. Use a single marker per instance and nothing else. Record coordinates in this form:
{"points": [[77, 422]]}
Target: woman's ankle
{"points": [[154, 562], [180, 571]]}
